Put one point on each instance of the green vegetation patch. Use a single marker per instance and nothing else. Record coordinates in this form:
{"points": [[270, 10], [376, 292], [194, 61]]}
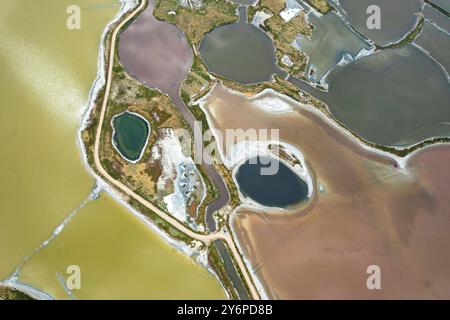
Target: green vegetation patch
{"points": [[284, 33], [196, 22], [7, 293], [197, 83], [320, 5]]}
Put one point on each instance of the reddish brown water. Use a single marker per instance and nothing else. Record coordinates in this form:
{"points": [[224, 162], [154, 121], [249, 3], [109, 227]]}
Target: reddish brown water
{"points": [[370, 213]]}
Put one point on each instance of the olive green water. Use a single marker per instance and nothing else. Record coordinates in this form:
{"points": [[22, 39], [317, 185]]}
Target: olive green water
{"points": [[122, 259], [47, 72]]}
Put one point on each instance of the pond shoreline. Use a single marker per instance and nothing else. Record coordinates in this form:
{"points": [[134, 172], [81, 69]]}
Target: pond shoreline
{"points": [[146, 140]]}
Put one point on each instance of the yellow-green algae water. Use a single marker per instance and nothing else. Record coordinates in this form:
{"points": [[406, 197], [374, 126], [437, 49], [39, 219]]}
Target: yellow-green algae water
{"points": [[47, 72], [119, 256]]}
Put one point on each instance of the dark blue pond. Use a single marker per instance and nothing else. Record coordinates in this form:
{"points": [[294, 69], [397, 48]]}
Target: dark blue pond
{"points": [[282, 189]]}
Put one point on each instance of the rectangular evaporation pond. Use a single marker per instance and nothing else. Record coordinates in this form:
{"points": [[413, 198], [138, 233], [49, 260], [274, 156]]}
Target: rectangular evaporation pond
{"points": [[436, 43], [436, 17], [231, 270]]}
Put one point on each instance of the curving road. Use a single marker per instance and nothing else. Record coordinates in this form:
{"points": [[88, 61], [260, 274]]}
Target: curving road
{"points": [[207, 238]]}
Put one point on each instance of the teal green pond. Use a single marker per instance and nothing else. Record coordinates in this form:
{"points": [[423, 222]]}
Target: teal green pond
{"points": [[130, 135]]}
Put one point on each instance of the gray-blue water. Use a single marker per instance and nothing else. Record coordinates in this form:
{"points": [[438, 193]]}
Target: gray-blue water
{"points": [[397, 18], [240, 52]]}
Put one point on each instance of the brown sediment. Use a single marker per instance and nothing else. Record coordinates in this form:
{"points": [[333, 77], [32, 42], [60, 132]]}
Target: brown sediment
{"points": [[370, 213]]}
